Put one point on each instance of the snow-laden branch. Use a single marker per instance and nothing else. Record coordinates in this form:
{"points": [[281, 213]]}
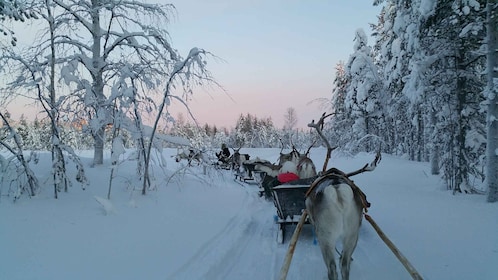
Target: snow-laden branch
{"points": [[194, 57]]}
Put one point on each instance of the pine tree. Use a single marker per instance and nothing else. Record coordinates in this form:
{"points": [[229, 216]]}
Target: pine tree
{"points": [[492, 99], [340, 122], [363, 96], [453, 36]]}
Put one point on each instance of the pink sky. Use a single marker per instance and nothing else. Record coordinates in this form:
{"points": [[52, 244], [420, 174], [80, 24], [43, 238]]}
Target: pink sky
{"points": [[278, 54], [272, 55]]}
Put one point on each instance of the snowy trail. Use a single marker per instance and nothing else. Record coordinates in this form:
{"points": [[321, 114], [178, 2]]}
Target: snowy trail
{"points": [[251, 250], [205, 226], [235, 244], [246, 248]]}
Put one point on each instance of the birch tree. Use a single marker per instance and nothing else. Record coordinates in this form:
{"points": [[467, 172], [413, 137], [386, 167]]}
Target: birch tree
{"points": [[17, 165], [36, 73], [290, 118], [188, 72], [15, 10], [290, 122], [103, 39]]}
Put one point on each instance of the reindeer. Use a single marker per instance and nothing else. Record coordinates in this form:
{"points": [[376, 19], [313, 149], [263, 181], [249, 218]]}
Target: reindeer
{"points": [[299, 164], [335, 206], [238, 159], [292, 162], [189, 155], [336, 213]]}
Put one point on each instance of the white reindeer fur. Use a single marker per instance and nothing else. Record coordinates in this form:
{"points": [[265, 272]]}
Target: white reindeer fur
{"points": [[306, 168], [336, 216], [287, 167], [267, 168], [302, 166]]}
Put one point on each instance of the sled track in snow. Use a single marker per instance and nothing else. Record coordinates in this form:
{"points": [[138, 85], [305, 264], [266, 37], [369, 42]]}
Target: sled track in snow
{"points": [[246, 247], [249, 233]]}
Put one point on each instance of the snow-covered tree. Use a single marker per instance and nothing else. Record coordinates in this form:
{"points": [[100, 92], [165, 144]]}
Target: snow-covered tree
{"points": [[290, 121], [364, 96], [37, 74], [116, 61], [430, 57], [266, 134], [290, 118], [23, 130], [16, 164], [104, 40], [220, 138], [492, 99], [452, 39], [338, 128], [242, 136], [398, 54], [185, 74], [17, 10]]}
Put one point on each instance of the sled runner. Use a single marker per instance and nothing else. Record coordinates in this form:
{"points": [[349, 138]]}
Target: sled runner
{"points": [[247, 173]]}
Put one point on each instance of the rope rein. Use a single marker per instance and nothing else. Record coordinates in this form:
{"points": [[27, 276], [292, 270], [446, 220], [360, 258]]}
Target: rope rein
{"points": [[336, 174]]}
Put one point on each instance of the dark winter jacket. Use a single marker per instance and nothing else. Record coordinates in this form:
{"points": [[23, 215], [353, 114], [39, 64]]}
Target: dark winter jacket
{"points": [[223, 155]]}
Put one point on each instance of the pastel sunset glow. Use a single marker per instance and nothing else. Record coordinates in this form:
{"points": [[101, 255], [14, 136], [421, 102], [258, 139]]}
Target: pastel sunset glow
{"points": [[268, 56], [273, 54]]}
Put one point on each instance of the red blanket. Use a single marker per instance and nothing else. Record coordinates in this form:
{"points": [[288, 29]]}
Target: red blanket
{"points": [[287, 177]]}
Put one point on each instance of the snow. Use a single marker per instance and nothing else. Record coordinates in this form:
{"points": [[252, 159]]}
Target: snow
{"points": [[168, 138], [196, 226], [106, 204]]}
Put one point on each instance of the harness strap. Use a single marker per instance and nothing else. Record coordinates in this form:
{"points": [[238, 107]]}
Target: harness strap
{"points": [[337, 174]]}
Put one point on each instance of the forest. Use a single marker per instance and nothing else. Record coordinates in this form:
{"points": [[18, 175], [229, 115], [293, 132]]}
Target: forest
{"points": [[424, 89]]}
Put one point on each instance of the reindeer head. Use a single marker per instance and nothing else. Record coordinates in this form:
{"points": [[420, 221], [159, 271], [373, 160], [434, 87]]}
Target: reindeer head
{"points": [[293, 156]]}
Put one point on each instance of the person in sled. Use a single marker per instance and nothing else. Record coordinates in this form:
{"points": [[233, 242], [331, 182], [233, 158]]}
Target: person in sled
{"points": [[224, 155]]}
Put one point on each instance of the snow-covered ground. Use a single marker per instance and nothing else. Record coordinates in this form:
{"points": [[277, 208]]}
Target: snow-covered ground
{"points": [[206, 226]]}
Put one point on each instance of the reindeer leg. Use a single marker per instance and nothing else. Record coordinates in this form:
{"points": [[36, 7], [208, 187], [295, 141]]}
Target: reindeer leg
{"points": [[349, 244], [328, 254]]}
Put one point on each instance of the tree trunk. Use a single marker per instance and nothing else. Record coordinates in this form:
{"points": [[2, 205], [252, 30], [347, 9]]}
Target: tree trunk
{"points": [[58, 161], [420, 136], [435, 160], [98, 87], [492, 116], [434, 152], [98, 146]]}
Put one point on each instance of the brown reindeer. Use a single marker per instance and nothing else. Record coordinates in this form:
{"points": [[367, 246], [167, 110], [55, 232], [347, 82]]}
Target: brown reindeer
{"points": [[238, 160]]}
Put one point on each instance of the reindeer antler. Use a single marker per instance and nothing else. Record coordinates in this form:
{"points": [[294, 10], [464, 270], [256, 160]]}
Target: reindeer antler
{"points": [[312, 144], [281, 142], [367, 167], [319, 126]]}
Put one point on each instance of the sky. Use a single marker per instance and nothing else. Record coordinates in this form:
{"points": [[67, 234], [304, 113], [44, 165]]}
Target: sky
{"points": [[268, 55], [273, 54], [205, 226]]}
